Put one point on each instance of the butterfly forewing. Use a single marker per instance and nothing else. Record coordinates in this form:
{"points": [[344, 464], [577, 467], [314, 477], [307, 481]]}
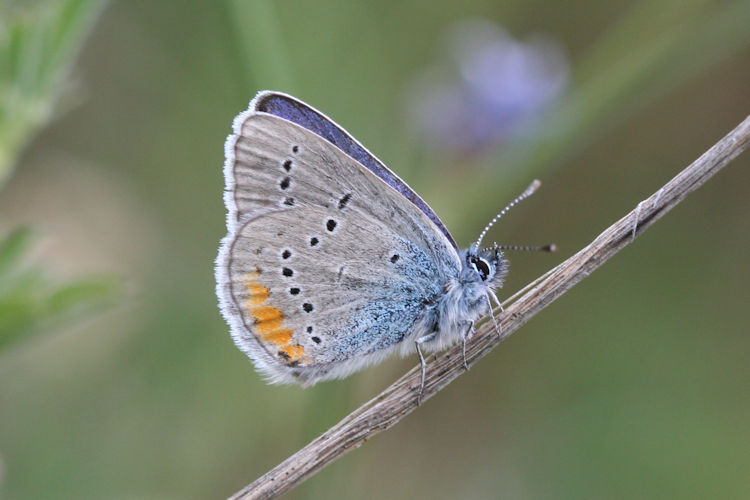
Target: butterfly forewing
{"points": [[296, 111], [327, 266]]}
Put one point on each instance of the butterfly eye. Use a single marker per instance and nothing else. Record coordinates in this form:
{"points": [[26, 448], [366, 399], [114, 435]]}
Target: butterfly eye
{"points": [[481, 266]]}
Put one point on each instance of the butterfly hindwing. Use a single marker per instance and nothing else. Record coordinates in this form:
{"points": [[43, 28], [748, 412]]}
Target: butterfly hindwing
{"points": [[326, 267], [315, 307]]}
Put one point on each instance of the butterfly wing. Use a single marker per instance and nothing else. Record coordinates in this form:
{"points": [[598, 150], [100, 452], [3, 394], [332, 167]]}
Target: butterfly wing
{"points": [[296, 111], [326, 266]]}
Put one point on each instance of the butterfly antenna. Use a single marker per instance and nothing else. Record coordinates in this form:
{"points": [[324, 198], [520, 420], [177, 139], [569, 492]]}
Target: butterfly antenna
{"points": [[529, 191], [523, 248]]}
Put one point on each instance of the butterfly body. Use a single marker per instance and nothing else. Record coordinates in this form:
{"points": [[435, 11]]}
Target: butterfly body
{"points": [[331, 262]]}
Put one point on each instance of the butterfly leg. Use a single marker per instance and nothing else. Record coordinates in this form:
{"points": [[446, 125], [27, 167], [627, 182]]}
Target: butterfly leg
{"points": [[467, 335], [418, 343], [492, 315]]}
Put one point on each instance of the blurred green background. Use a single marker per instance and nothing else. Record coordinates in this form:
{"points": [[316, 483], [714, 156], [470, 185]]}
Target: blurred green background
{"points": [[118, 377]]}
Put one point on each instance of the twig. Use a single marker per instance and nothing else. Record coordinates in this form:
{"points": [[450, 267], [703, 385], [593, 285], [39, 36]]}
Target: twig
{"points": [[400, 398]]}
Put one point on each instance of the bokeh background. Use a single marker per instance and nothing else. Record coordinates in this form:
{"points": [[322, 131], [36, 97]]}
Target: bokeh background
{"points": [[118, 377]]}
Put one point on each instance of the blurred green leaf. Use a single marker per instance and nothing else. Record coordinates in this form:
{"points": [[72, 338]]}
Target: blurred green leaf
{"points": [[38, 44], [258, 38], [79, 293], [29, 303], [12, 247]]}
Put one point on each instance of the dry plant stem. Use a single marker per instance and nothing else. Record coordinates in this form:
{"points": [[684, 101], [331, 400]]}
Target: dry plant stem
{"points": [[400, 398]]}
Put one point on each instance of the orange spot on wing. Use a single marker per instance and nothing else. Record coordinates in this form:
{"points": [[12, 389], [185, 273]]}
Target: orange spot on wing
{"points": [[269, 320], [268, 326], [266, 313], [279, 337], [258, 294], [294, 351]]}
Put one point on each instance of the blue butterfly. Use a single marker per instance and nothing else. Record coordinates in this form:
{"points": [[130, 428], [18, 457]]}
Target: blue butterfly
{"points": [[331, 262]]}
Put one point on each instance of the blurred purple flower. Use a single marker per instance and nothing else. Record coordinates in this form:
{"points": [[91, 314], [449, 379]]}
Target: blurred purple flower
{"points": [[493, 88]]}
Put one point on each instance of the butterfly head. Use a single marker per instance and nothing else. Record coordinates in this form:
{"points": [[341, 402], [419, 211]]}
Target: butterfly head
{"points": [[488, 266], [485, 265]]}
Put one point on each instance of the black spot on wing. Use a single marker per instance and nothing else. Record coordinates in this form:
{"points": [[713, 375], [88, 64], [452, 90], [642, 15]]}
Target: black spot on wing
{"points": [[344, 200]]}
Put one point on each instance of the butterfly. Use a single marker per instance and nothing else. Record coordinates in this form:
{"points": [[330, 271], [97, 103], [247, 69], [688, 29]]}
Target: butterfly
{"points": [[331, 262]]}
